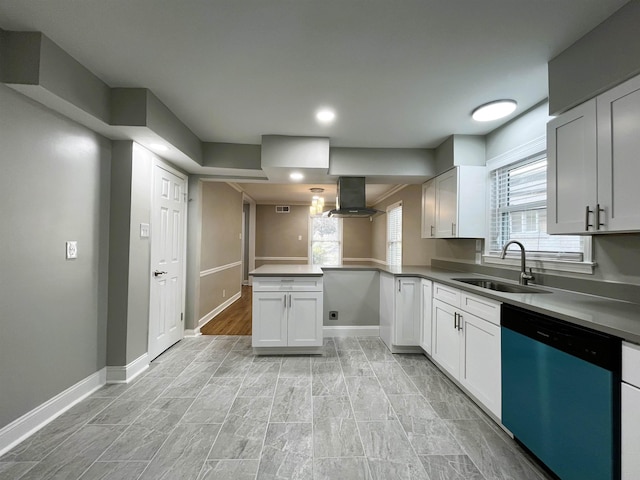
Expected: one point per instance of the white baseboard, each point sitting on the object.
(192, 333)
(32, 421)
(216, 311)
(128, 372)
(351, 331)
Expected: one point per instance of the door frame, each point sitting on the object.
(159, 163)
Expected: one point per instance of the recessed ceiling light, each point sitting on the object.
(325, 115)
(493, 110)
(296, 176)
(160, 147)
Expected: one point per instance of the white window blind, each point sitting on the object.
(326, 240)
(394, 234)
(519, 212)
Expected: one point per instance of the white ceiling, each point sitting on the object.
(400, 73)
(269, 193)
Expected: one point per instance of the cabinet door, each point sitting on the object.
(426, 298)
(572, 170)
(269, 319)
(387, 308)
(630, 445)
(407, 315)
(445, 338)
(429, 209)
(305, 319)
(618, 165)
(480, 361)
(447, 204)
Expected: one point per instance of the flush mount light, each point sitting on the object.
(296, 176)
(325, 115)
(160, 147)
(493, 110)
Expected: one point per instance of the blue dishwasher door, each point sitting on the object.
(559, 406)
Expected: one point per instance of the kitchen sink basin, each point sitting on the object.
(499, 286)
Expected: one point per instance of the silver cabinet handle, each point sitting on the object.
(586, 218)
(289, 300)
(453, 229)
(157, 273)
(284, 297)
(399, 285)
(460, 321)
(432, 230)
(455, 320)
(598, 223)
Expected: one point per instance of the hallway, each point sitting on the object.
(234, 320)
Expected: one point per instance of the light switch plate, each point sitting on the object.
(72, 250)
(144, 230)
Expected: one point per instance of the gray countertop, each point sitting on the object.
(614, 317)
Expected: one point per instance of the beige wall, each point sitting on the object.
(277, 233)
(220, 245)
(356, 238)
(415, 249)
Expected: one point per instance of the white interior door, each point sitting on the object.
(167, 260)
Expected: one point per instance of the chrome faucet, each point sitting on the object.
(524, 276)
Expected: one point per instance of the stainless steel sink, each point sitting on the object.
(499, 286)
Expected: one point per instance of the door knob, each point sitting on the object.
(157, 273)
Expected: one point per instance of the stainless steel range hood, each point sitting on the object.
(351, 200)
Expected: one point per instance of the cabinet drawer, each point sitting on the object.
(631, 363)
(287, 284)
(482, 307)
(446, 294)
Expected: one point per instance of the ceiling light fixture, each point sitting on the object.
(325, 115)
(317, 202)
(494, 110)
(296, 176)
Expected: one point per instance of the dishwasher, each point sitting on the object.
(561, 393)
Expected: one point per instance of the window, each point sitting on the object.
(519, 212)
(394, 234)
(325, 240)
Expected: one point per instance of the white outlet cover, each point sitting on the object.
(144, 230)
(72, 249)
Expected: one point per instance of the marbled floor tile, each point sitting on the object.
(450, 467)
(292, 401)
(229, 470)
(329, 383)
(336, 437)
(387, 368)
(287, 452)
(436, 388)
(368, 399)
(416, 365)
(147, 389)
(190, 382)
(212, 354)
(175, 364)
(386, 469)
(14, 470)
(295, 367)
(261, 380)
(41, 443)
(377, 353)
(77, 454)
(355, 368)
(113, 390)
(332, 407)
(120, 412)
(491, 454)
(267, 358)
(352, 355)
(346, 343)
(386, 440)
(243, 343)
(233, 367)
(397, 384)
(432, 437)
(325, 367)
(410, 408)
(214, 401)
(354, 468)
(183, 454)
(143, 439)
(456, 407)
(243, 431)
(114, 471)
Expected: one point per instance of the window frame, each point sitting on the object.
(530, 151)
(311, 241)
(389, 209)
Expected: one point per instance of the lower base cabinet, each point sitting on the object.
(630, 412)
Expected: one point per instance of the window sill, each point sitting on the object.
(543, 265)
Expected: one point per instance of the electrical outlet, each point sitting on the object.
(333, 315)
(72, 250)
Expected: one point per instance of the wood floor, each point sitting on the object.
(235, 320)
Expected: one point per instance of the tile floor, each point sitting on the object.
(209, 409)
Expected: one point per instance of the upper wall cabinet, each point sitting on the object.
(593, 166)
(453, 204)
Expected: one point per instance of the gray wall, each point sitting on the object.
(355, 295)
(54, 187)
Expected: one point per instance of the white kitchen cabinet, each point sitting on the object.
(400, 314)
(459, 203)
(287, 312)
(630, 412)
(429, 209)
(426, 301)
(466, 342)
(592, 164)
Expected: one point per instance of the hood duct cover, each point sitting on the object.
(351, 201)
